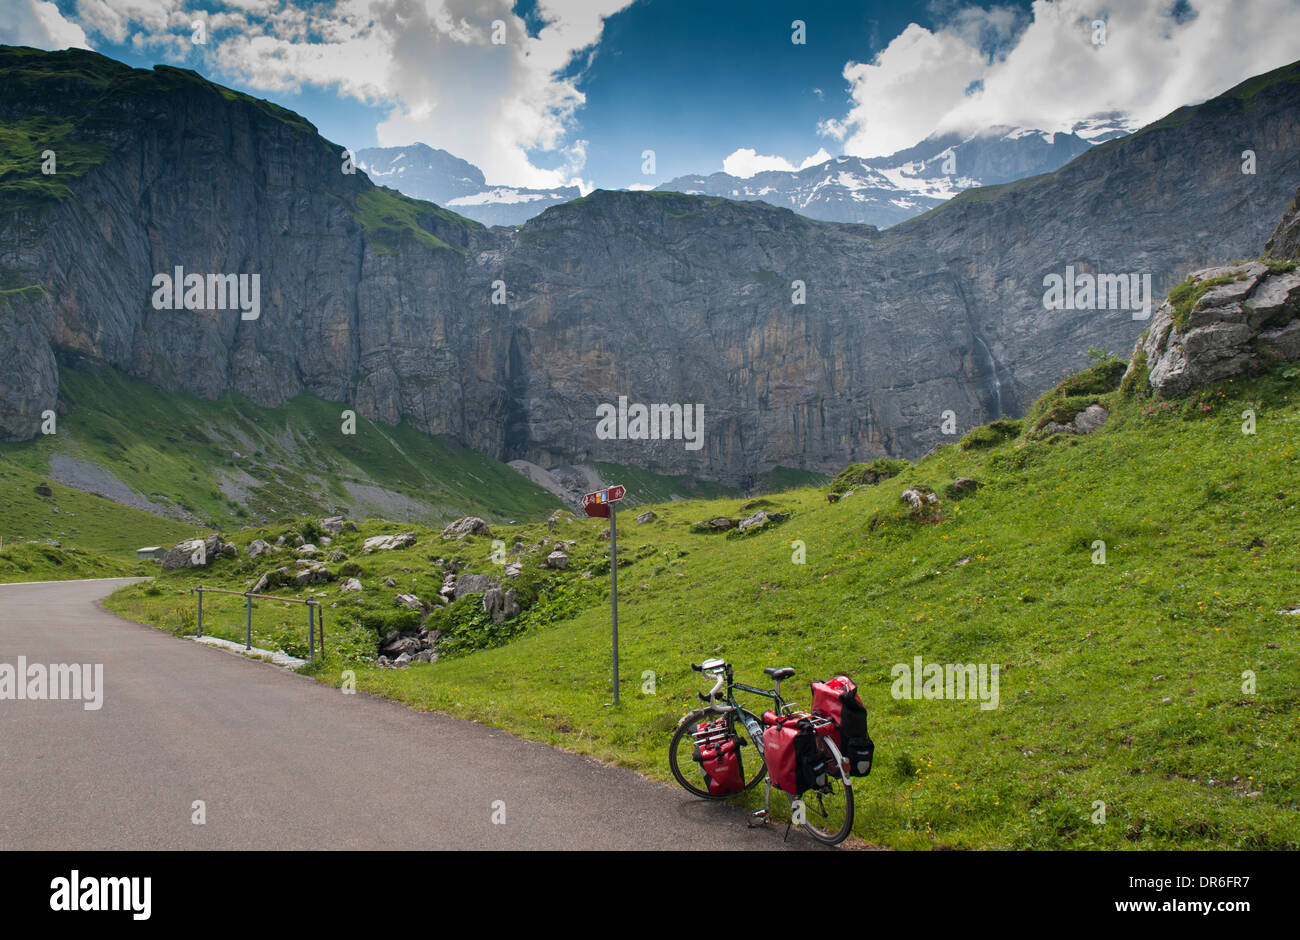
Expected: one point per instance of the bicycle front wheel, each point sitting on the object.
(688, 772)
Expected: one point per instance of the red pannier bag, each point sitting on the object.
(717, 750)
(794, 761)
(837, 699)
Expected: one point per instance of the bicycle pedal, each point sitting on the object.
(756, 819)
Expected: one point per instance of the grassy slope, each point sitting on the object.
(173, 448)
(1120, 682)
(97, 537)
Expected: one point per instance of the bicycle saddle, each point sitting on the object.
(784, 672)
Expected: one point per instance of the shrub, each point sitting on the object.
(867, 474)
(991, 434)
(1137, 384)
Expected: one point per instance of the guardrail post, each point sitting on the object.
(248, 629)
(311, 631)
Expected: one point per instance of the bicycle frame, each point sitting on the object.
(725, 685)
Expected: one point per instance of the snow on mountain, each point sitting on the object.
(884, 191)
(440, 177)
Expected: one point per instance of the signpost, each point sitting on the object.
(600, 504)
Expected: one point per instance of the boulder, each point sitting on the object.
(963, 486)
(192, 553)
(721, 523)
(472, 584)
(467, 525)
(389, 582)
(647, 516)
(333, 525)
(387, 543)
(1231, 328)
(410, 602)
(401, 646)
(756, 521)
(513, 570)
(306, 550)
(317, 574)
(917, 498)
(271, 579)
(259, 547)
(1085, 422)
(351, 584)
(556, 560)
(500, 605)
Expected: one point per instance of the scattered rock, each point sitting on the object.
(647, 516)
(499, 605)
(333, 525)
(318, 574)
(411, 602)
(351, 584)
(389, 582)
(467, 525)
(387, 543)
(43, 489)
(962, 486)
(756, 521)
(307, 550)
(721, 523)
(917, 498)
(514, 569)
(472, 584)
(259, 547)
(556, 561)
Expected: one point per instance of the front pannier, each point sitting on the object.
(717, 750)
(837, 699)
(794, 761)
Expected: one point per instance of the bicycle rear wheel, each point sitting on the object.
(828, 810)
(688, 772)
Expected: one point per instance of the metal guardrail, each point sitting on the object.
(314, 608)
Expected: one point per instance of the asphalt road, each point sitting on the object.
(284, 762)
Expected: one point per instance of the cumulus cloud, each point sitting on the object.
(38, 23)
(980, 67)
(507, 107)
(745, 162)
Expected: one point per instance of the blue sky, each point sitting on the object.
(579, 89)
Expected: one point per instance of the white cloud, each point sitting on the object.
(1049, 74)
(38, 23)
(746, 162)
(432, 62)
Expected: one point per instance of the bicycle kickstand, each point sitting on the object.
(761, 814)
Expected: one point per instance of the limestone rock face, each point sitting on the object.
(695, 296)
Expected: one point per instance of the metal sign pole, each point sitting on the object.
(613, 587)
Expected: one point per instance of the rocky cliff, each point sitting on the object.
(387, 304)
